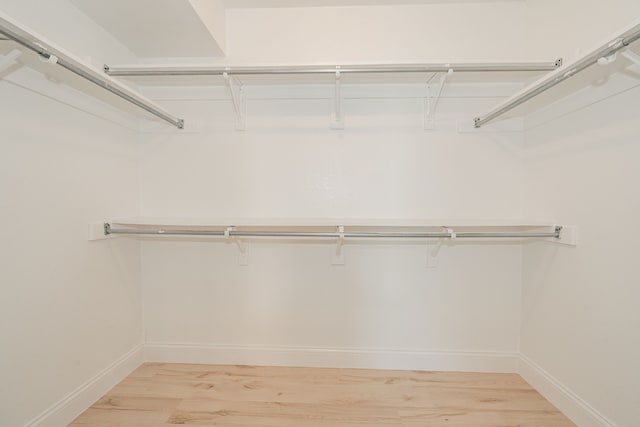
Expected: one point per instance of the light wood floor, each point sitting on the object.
(169, 394)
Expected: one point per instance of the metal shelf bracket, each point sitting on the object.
(239, 100)
(9, 60)
(337, 118)
(243, 257)
(431, 102)
(338, 255)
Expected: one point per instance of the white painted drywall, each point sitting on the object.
(78, 302)
(67, 26)
(213, 15)
(289, 164)
(156, 28)
(569, 28)
(454, 32)
(70, 308)
(580, 316)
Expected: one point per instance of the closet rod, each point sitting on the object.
(199, 70)
(20, 34)
(605, 51)
(334, 235)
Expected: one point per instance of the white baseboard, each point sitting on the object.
(68, 408)
(332, 357)
(569, 403)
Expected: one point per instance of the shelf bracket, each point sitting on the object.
(431, 102)
(433, 250)
(243, 258)
(338, 255)
(99, 231)
(452, 234)
(631, 56)
(337, 117)
(9, 60)
(239, 100)
(567, 235)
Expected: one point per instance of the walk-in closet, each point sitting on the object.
(319, 213)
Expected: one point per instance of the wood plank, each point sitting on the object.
(163, 395)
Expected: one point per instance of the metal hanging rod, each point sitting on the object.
(200, 70)
(606, 51)
(229, 232)
(55, 55)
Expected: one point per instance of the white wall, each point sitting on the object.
(580, 309)
(568, 28)
(580, 317)
(454, 32)
(289, 164)
(60, 21)
(74, 307)
(69, 308)
(580, 314)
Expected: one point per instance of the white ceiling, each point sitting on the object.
(233, 4)
(185, 28)
(154, 28)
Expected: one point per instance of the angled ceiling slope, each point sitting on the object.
(161, 28)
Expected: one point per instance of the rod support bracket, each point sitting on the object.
(337, 117)
(608, 59)
(9, 60)
(452, 234)
(431, 102)
(100, 231)
(433, 250)
(337, 257)
(238, 99)
(631, 56)
(243, 256)
(565, 235)
(48, 57)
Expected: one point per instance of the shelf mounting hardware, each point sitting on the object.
(338, 255)
(243, 258)
(239, 100)
(631, 56)
(8, 60)
(433, 250)
(431, 102)
(337, 118)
